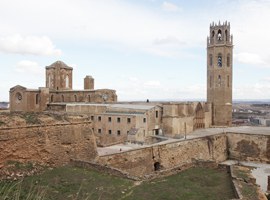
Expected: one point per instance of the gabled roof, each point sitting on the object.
(17, 87)
(59, 64)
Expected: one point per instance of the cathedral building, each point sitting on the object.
(58, 89)
(115, 122)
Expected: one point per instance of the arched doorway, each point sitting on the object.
(198, 121)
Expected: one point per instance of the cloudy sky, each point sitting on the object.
(145, 49)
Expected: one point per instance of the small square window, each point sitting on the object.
(144, 120)
(109, 119)
(99, 118)
(128, 120)
(110, 132)
(118, 119)
(118, 132)
(99, 130)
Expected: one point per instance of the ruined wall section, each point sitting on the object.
(143, 161)
(249, 147)
(48, 144)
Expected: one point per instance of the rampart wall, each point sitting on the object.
(145, 161)
(249, 147)
(53, 144)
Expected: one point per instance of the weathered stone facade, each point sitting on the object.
(175, 154)
(219, 73)
(50, 144)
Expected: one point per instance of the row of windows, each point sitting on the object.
(118, 132)
(99, 118)
(219, 81)
(219, 61)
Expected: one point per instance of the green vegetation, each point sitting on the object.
(2, 123)
(77, 183)
(31, 118)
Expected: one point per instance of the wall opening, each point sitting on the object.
(37, 98)
(228, 60)
(52, 98)
(199, 118)
(157, 166)
(219, 35)
(67, 81)
(219, 80)
(219, 60)
(63, 98)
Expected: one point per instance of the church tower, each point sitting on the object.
(219, 73)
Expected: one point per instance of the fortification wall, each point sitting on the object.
(53, 144)
(143, 161)
(249, 147)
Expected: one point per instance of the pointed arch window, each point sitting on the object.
(228, 60)
(219, 60)
(228, 81)
(63, 98)
(211, 59)
(219, 80)
(226, 35)
(75, 98)
(67, 81)
(219, 35)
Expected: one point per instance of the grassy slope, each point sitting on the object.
(76, 183)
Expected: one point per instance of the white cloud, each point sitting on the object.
(168, 40)
(152, 84)
(250, 58)
(28, 45)
(29, 67)
(254, 91)
(170, 7)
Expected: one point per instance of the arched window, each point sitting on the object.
(63, 98)
(210, 59)
(219, 60)
(213, 34)
(219, 80)
(210, 82)
(75, 98)
(228, 60)
(49, 81)
(226, 35)
(51, 98)
(37, 98)
(228, 81)
(219, 35)
(67, 81)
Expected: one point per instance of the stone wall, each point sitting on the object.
(145, 161)
(249, 147)
(53, 144)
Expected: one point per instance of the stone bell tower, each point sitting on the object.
(219, 73)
